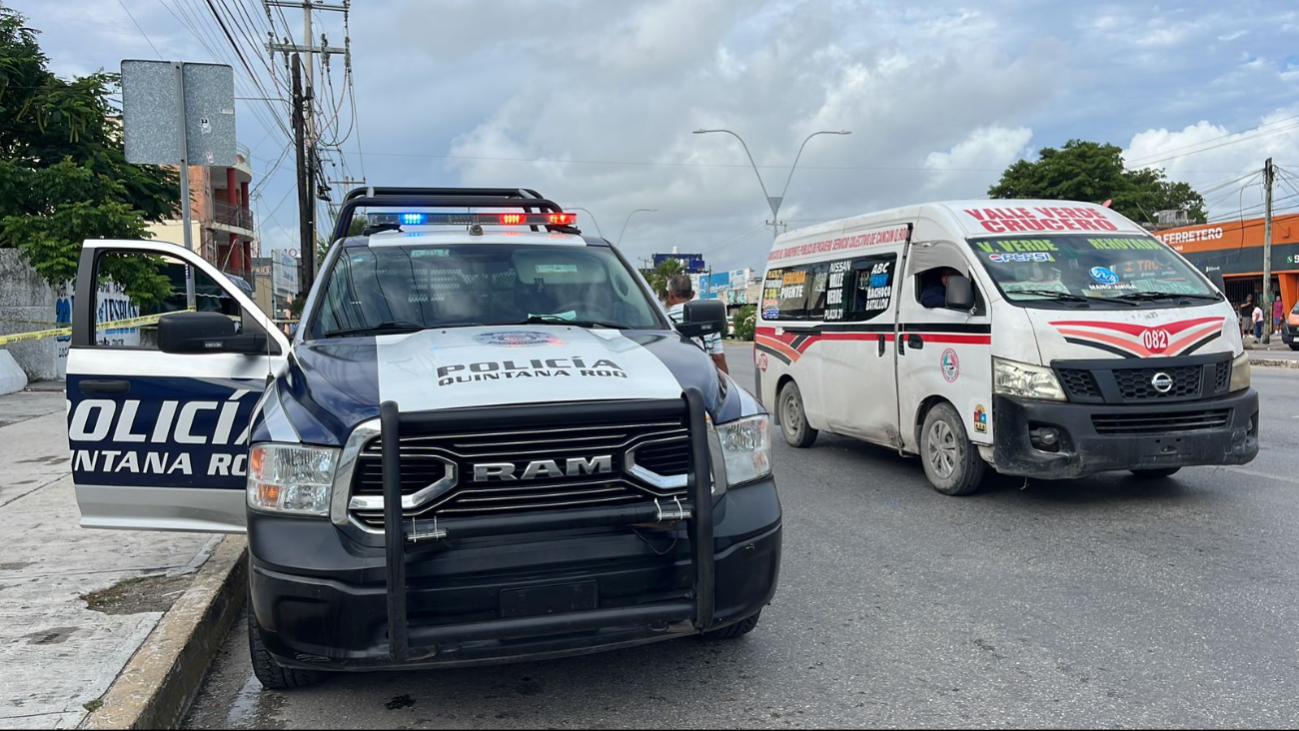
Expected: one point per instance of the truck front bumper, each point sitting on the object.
(1099, 438)
(320, 598)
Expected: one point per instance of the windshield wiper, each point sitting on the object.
(386, 327)
(557, 320)
(1151, 296)
(1053, 294)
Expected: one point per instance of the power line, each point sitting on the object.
(1215, 139)
(1245, 138)
(137, 27)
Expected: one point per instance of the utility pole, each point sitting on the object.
(306, 207)
(1268, 176)
(304, 118)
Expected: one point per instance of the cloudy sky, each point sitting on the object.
(592, 102)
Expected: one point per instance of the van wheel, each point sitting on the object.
(952, 464)
(793, 418)
(732, 631)
(1294, 346)
(272, 675)
(1156, 474)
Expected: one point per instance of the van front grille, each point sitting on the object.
(1164, 423)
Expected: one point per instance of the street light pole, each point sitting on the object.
(629, 215)
(773, 201)
(592, 215)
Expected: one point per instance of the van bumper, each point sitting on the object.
(320, 597)
(1083, 450)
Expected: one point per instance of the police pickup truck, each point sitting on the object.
(486, 441)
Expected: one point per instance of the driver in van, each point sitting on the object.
(935, 295)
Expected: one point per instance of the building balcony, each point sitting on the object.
(235, 219)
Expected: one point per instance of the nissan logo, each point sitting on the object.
(1162, 382)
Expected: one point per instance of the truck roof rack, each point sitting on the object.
(391, 197)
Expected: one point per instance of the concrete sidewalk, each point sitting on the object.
(58, 655)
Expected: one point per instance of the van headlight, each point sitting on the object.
(746, 447)
(1012, 378)
(1240, 375)
(291, 479)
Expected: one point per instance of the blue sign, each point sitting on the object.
(694, 263)
(1104, 276)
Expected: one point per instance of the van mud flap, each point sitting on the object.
(400, 536)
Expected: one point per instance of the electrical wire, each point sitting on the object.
(137, 27)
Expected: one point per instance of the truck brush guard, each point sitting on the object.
(403, 536)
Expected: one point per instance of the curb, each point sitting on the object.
(159, 683)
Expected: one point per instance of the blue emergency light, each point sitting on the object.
(469, 219)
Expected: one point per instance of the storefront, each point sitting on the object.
(1234, 249)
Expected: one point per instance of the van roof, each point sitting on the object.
(963, 219)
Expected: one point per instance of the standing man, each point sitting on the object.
(1258, 323)
(1246, 311)
(680, 292)
(1278, 312)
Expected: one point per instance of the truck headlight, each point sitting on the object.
(1012, 378)
(746, 447)
(1240, 375)
(292, 479)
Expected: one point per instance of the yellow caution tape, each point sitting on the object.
(59, 331)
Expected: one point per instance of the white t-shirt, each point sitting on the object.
(1258, 313)
(712, 343)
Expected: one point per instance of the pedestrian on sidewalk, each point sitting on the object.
(1278, 312)
(1258, 323)
(1246, 309)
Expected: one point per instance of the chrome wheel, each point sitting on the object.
(942, 449)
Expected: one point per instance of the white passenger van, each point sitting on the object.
(1064, 341)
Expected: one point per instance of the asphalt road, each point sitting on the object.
(1101, 602)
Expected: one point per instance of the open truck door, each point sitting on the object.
(162, 387)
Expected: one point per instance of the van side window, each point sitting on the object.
(785, 293)
(870, 286)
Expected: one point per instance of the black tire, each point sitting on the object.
(1156, 474)
(952, 463)
(793, 417)
(272, 675)
(1294, 346)
(733, 631)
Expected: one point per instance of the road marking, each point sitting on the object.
(1264, 475)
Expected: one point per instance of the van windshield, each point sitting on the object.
(1083, 270)
(378, 289)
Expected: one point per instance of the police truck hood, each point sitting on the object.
(334, 384)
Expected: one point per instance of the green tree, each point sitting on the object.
(63, 172)
(1094, 172)
(746, 321)
(659, 276)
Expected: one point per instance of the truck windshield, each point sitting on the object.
(1083, 271)
(387, 289)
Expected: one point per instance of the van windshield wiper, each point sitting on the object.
(1053, 294)
(1152, 296)
(387, 327)
(557, 320)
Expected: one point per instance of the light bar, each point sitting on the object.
(469, 219)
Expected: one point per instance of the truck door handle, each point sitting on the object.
(881, 350)
(106, 385)
(915, 341)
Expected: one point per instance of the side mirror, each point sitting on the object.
(205, 332)
(960, 293)
(703, 317)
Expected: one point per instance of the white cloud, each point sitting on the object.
(1209, 155)
(986, 148)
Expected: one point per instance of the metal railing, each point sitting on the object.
(236, 216)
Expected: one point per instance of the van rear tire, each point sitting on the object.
(952, 463)
(793, 417)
